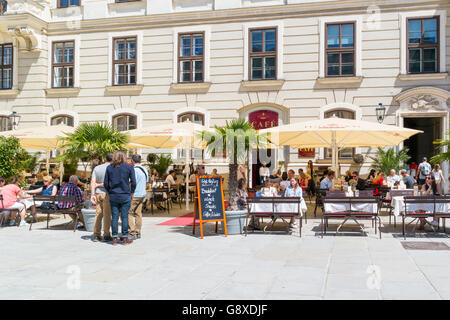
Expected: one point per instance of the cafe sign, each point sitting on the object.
(263, 119)
(307, 153)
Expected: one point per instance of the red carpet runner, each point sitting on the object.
(185, 220)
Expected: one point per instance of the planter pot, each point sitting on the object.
(89, 217)
(235, 221)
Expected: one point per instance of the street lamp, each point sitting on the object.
(15, 119)
(380, 111)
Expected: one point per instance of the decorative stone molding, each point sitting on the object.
(62, 92)
(262, 84)
(35, 7)
(124, 90)
(190, 87)
(423, 100)
(9, 93)
(423, 76)
(27, 38)
(339, 80)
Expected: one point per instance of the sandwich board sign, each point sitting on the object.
(210, 206)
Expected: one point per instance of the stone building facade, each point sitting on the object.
(148, 62)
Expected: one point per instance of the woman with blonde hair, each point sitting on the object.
(120, 183)
(379, 181)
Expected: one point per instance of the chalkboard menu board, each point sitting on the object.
(210, 205)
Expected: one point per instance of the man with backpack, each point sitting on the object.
(423, 171)
(135, 213)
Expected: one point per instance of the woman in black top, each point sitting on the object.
(120, 183)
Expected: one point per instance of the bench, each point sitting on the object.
(350, 213)
(54, 209)
(273, 202)
(424, 207)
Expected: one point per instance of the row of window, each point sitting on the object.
(423, 51)
(76, 3)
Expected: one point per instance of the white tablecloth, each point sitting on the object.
(279, 207)
(399, 206)
(338, 207)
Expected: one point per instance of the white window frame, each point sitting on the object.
(129, 111)
(139, 38)
(62, 113)
(442, 36)
(77, 41)
(279, 24)
(339, 106)
(358, 20)
(206, 50)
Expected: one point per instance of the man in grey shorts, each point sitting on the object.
(100, 197)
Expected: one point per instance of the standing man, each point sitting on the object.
(135, 213)
(101, 198)
(423, 171)
(407, 179)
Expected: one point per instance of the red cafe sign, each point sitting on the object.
(307, 153)
(263, 119)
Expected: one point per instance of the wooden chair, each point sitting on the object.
(155, 200)
(4, 215)
(320, 194)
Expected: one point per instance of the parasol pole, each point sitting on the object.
(187, 169)
(47, 162)
(334, 153)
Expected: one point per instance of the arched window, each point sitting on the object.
(124, 122)
(346, 153)
(194, 118)
(63, 119)
(5, 123)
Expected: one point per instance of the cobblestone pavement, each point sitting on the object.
(168, 262)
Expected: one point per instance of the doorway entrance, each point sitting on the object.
(421, 145)
(262, 119)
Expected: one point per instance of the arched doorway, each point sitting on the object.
(262, 119)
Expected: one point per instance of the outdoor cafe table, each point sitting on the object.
(279, 207)
(398, 204)
(338, 207)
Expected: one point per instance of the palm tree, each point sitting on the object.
(389, 159)
(160, 162)
(92, 141)
(441, 144)
(232, 141)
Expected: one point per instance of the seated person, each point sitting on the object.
(407, 179)
(49, 189)
(55, 178)
(83, 181)
(392, 179)
(327, 182)
(71, 189)
(303, 181)
(239, 201)
(268, 190)
(10, 193)
(172, 183)
(348, 176)
(284, 180)
(274, 177)
(378, 181)
(360, 184)
(293, 190)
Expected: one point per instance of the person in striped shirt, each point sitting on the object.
(71, 190)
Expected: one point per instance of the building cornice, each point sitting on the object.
(240, 14)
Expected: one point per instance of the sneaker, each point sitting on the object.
(107, 239)
(79, 225)
(434, 223)
(138, 236)
(23, 224)
(12, 223)
(115, 242)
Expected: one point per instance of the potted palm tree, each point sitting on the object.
(91, 141)
(233, 141)
(389, 159)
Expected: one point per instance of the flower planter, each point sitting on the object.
(89, 218)
(235, 221)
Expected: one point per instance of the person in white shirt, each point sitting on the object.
(392, 179)
(264, 173)
(438, 177)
